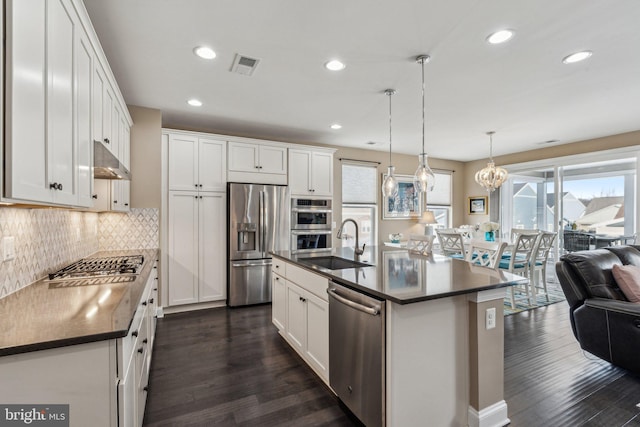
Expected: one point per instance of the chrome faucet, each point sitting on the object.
(357, 251)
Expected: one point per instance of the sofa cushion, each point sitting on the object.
(628, 278)
(627, 254)
(594, 269)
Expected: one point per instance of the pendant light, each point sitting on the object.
(423, 179)
(390, 183)
(492, 176)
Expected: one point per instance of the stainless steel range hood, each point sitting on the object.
(106, 165)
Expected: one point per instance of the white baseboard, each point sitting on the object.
(190, 307)
(491, 416)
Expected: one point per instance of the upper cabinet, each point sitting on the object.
(196, 163)
(54, 71)
(261, 163)
(311, 172)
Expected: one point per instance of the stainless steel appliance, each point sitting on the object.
(98, 271)
(357, 352)
(310, 241)
(258, 222)
(311, 214)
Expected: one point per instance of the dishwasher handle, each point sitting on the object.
(374, 311)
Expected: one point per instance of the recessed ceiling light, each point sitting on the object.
(204, 52)
(336, 126)
(194, 103)
(500, 36)
(577, 57)
(335, 65)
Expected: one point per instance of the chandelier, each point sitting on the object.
(390, 183)
(424, 178)
(492, 176)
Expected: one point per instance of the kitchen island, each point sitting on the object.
(443, 342)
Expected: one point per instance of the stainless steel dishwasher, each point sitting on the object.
(357, 352)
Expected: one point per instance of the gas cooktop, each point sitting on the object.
(98, 271)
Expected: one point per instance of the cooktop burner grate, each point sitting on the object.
(104, 266)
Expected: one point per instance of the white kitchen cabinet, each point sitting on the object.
(300, 311)
(260, 163)
(196, 163)
(50, 117)
(111, 195)
(197, 244)
(278, 305)
(311, 172)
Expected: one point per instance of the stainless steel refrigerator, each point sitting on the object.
(258, 222)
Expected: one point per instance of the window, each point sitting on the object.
(439, 200)
(359, 190)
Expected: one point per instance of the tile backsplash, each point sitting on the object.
(49, 239)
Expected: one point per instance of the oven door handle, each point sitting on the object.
(311, 210)
(333, 293)
(299, 232)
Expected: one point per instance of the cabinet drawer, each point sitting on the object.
(279, 267)
(311, 282)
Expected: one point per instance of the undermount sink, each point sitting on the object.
(332, 262)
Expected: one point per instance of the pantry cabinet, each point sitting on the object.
(197, 244)
(311, 172)
(196, 163)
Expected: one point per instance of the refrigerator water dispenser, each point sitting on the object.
(247, 236)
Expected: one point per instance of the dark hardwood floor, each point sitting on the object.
(229, 367)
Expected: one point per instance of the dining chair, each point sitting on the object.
(517, 262)
(420, 244)
(516, 231)
(485, 254)
(451, 243)
(538, 263)
(466, 232)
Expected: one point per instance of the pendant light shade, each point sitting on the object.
(492, 176)
(390, 183)
(423, 179)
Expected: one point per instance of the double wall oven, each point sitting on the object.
(311, 221)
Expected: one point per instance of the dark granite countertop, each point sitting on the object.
(42, 316)
(404, 278)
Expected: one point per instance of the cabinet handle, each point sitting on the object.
(126, 204)
(151, 301)
(60, 187)
(134, 333)
(155, 289)
(257, 167)
(95, 196)
(144, 341)
(200, 185)
(277, 278)
(146, 388)
(106, 140)
(55, 186)
(144, 303)
(115, 202)
(140, 350)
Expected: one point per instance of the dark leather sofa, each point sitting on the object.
(604, 322)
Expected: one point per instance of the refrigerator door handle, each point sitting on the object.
(252, 264)
(262, 224)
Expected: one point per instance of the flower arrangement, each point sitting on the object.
(489, 226)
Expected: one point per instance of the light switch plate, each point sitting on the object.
(8, 248)
(490, 318)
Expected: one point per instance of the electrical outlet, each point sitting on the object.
(8, 248)
(490, 318)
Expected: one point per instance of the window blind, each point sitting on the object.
(359, 183)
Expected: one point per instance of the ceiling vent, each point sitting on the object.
(550, 141)
(244, 65)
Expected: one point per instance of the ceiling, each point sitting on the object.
(520, 89)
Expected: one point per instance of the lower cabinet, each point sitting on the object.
(300, 311)
(103, 382)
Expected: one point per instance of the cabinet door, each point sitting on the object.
(127, 397)
(212, 270)
(243, 157)
(279, 301)
(123, 147)
(183, 168)
(126, 159)
(60, 122)
(84, 70)
(108, 104)
(99, 82)
(183, 247)
(299, 172)
(273, 160)
(322, 173)
(212, 170)
(296, 317)
(317, 349)
(115, 129)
